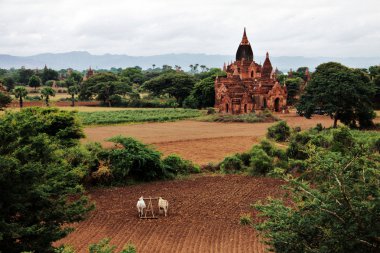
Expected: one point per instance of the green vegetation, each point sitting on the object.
(131, 116)
(40, 186)
(335, 200)
(20, 92)
(279, 132)
(103, 246)
(5, 100)
(342, 93)
(245, 219)
(46, 93)
(134, 161)
(264, 116)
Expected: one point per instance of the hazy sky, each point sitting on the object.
(149, 27)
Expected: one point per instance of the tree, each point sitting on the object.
(34, 81)
(87, 90)
(20, 92)
(134, 74)
(342, 93)
(202, 95)
(48, 74)
(9, 82)
(73, 90)
(338, 212)
(293, 87)
(175, 84)
(78, 77)
(106, 90)
(24, 75)
(46, 92)
(4, 100)
(39, 186)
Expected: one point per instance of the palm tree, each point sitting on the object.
(46, 92)
(73, 90)
(20, 92)
(203, 67)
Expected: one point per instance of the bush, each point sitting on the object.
(245, 158)
(377, 145)
(279, 132)
(174, 165)
(102, 176)
(4, 100)
(104, 247)
(33, 98)
(245, 219)
(134, 160)
(343, 140)
(231, 164)
(261, 163)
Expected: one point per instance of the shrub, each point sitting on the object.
(4, 100)
(245, 158)
(279, 131)
(104, 247)
(261, 163)
(212, 167)
(296, 151)
(211, 110)
(377, 145)
(245, 219)
(231, 164)
(174, 165)
(134, 160)
(102, 176)
(342, 140)
(319, 127)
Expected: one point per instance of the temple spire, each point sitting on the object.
(267, 55)
(244, 40)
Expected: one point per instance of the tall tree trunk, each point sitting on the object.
(72, 100)
(21, 102)
(335, 121)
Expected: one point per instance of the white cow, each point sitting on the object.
(140, 206)
(163, 204)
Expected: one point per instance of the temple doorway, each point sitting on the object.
(245, 108)
(227, 108)
(277, 104)
(265, 103)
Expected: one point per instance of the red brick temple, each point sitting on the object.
(248, 85)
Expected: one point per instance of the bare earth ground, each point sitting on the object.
(203, 215)
(201, 142)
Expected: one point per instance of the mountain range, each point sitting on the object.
(81, 60)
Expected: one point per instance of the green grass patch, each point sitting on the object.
(136, 116)
(264, 116)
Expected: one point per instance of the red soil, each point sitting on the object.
(203, 215)
(201, 142)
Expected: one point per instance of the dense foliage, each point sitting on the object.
(5, 100)
(342, 93)
(279, 131)
(40, 186)
(335, 203)
(131, 160)
(176, 84)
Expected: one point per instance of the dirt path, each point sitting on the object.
(203, 215)
(201, 142)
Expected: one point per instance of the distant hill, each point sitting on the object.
(82, 60)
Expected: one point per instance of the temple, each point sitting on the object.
(248, 85)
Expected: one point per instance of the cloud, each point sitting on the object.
(149, 27)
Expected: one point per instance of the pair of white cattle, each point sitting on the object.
(163, 204)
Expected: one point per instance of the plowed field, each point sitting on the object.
(201, 142)
(203, 215)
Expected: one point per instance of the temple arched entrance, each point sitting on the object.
(227, 108)
(265, 103)
(277, 104)
(245, 108)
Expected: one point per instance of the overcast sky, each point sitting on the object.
(336, 28)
